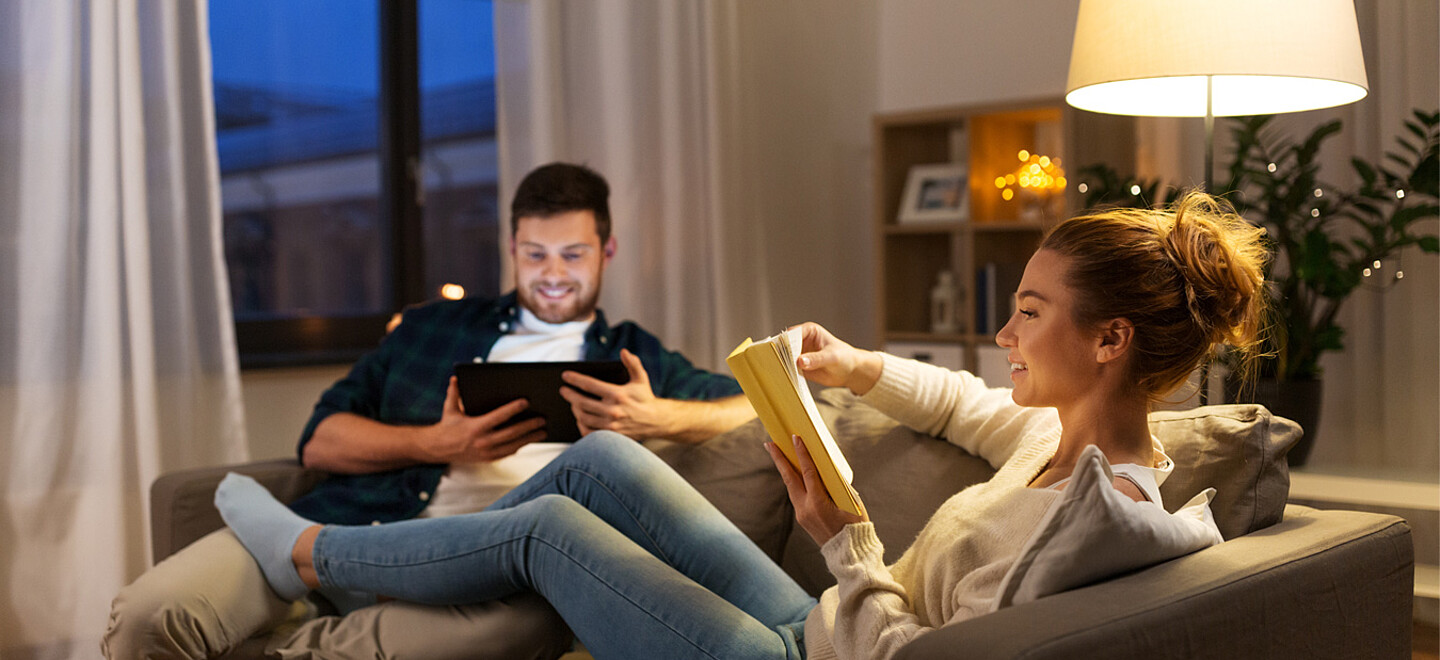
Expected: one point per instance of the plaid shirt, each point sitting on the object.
(403, 382)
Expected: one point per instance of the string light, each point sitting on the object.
(452, 291)
(1037, 174)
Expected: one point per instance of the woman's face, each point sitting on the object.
(1052, 359)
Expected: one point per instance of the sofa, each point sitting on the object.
(1289, 581)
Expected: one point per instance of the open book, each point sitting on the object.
(773, 384)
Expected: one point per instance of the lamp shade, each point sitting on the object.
(1157, 58)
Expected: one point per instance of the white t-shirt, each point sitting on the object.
(470, 487)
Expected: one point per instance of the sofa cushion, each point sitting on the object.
(1092, 532)
(1237, 449)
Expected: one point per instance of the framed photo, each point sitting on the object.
(936, 193)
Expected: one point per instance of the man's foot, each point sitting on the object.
(267, 528)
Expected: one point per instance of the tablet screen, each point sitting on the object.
(485, 386)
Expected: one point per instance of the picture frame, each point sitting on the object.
(936, 193)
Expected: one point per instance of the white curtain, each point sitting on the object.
(117, 354)
(643, 92)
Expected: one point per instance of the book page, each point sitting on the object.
(789, 346)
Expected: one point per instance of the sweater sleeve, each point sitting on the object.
(873, 613)
(957, 406)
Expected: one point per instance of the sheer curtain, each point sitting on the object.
(117, 355)
(643, 92)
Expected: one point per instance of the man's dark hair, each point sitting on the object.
(561, 188)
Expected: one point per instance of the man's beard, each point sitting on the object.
(578, 307)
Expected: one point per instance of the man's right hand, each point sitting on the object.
(460, 438)
(348, 443)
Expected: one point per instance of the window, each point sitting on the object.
(358, 165)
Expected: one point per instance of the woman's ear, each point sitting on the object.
(1116, 337)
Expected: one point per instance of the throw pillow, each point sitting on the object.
(1093, 532)
(1237, 449)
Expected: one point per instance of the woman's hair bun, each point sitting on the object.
(1221, 259)
(1186, 277)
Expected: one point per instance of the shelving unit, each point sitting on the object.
(987, 140)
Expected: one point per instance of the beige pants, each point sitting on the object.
(210, 598)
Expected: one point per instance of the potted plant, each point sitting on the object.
(1328, 241)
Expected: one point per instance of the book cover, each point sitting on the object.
(767, 373)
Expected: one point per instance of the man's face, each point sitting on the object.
(558, 265)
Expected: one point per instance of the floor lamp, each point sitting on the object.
(1214, 58)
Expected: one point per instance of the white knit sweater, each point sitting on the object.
(956, 564)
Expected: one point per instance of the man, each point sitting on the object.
(399, 444)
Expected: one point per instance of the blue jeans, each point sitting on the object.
(637, 562)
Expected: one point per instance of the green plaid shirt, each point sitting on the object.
(403, 382)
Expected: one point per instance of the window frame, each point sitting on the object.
(335, 339)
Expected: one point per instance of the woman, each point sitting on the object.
(1114, 311)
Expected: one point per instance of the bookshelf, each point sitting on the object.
(996, 237)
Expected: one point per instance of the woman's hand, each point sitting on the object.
(834, 363)
(814, 509)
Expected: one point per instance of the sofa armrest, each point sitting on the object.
(1318, 584)
(182, 504)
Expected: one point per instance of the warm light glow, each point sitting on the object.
(1134, 190)
(452, 291)
(1399, 194)
(1147, 58)
(393, 322)
(1041, 176)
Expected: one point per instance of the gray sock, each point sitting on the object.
(267, 528)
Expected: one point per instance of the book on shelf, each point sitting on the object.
(772, 382)
(995, 286)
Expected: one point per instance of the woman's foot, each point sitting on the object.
(268, 529)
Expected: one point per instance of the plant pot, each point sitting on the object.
(1295, 400)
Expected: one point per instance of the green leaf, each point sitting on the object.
(1430, 244)
(1366, 172)
(1405, 216)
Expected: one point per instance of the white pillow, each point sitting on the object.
(1093, 532)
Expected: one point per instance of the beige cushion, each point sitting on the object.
(1237, 449)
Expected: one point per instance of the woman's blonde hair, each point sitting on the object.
(1187, 277)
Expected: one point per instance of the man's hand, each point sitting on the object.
(459, 438)
(814, 509)
(631, 409)
(833, 363)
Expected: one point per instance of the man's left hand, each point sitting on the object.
(631, 409)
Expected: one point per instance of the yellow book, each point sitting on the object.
(766, 371)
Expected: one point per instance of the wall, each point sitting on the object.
(947, 52)
(278, 403)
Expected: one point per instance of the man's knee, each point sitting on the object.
(200, 602)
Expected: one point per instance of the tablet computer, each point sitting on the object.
(485, 386)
